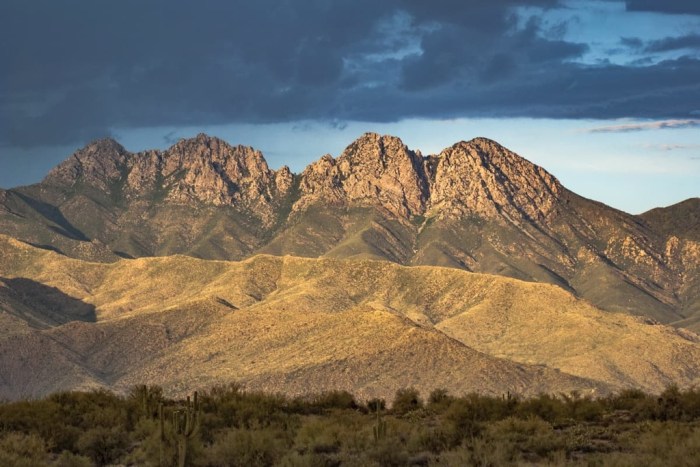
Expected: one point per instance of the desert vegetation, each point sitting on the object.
(227, 426)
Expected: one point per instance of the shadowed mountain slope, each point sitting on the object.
(475, 206)
(302, 324)
(679, 225)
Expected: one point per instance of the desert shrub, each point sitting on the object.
(102, 444)
(44, 418)
(661, 444)
(68, 459)
(228, 406)
(374, 404)
(544, 406)
(334, 400)
(431, 439)
(671, 404)
(582, 408)
(674, 404)
(246, 448)
(389, 454)
(143, 400)
(295, 459)
(222, 393)
(631, 404)
(487, 408)
(22, 450)
(530, 436)
(480, 452)
(627, 399)
(145, 436)
(460, 421)
(405, 401)
(253, 428)
(439, 399)
(349, 431)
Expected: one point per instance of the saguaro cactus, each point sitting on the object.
(150, 399)
(185, 424)
(380, 427)
(161, 436)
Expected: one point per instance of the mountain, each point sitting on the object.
(679, 226)
(475, 206)
(300, 325)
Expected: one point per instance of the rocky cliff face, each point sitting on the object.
(476, 205)
(482, 177)
(476, 177)
(99, 164)
(202, 169)
(375, 170)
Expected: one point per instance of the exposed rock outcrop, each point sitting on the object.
(202, 169)
(99, 164)
(484, 178)
(375, 170)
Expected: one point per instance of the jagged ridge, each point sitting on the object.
(476, 206)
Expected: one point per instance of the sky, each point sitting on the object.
(603, 94)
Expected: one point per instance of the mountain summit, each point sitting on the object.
(199, 170)
(476, 206)
(375, 171)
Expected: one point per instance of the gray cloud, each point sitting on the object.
(632, 42)
(642, 126)
(690, 41)
(72, 70)
(671, 147)
(691, 7)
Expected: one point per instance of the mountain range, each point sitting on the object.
(475, 206)
(474, 267)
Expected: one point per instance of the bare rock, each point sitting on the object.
(482, 177)
(375, 170)
(98, 164)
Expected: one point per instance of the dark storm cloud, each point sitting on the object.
(74, 69)
(632, 42)
(690, 41)
(691, 7)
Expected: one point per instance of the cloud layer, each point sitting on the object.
(74, 69)
(642, 126)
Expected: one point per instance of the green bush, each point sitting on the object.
(246, 448)
(102, 444)
(439, 399)
(405, 401)
(335, 400)
(68, 459)
(22, 450)
(460, 421)
(253, 428)
(376, 404)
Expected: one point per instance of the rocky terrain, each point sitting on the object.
(472, 269)
(305, 325)
(475, 206)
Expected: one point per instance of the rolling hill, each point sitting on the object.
(300, 325)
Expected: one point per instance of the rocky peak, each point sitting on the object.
(471, 177)
(207, 151)
(374, 170)
(209, 170)
(98, 164)
(200, 169)
(212, 171)
(284, 179)
(482, 177)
